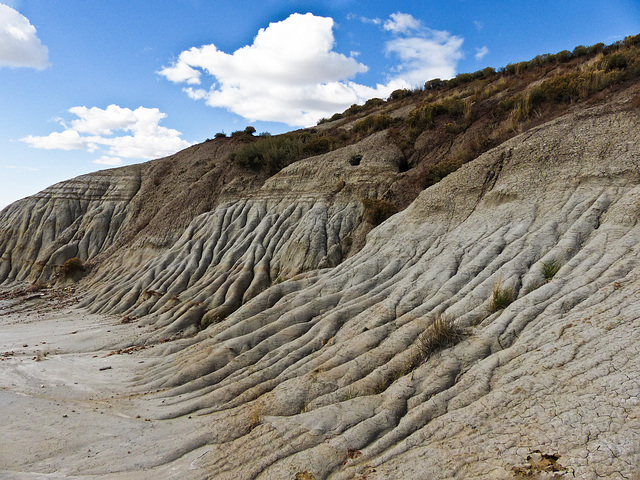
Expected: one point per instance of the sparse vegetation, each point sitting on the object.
(549, 269)
(502, 296)
(442, 333)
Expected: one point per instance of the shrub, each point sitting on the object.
(377, 211)
(502, 297)
(442, 333)
(221, 135)
(616, 61)
(317, 146)
(273, 153)
(549, 269)
(400, 93)
(72, 268)
(434, 84)
(353, 110)
(374, 102)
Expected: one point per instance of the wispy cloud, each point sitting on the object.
(19, 42)
(423, 53)
(115, 131)
(402, 23)
(481, 52)
(374, 21)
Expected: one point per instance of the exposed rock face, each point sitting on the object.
(312, 363)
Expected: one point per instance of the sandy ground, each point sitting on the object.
(69, 407)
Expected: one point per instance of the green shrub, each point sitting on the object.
(439, 171)
(221, 135)
(616, 61)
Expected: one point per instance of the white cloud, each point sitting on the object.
(481, 52)
(291, 73)
(106, 130)
(424, 55)
(19, 43)
(402, 23)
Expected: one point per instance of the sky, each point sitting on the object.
(87, 85)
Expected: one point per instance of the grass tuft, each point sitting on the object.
(502, 297)
(549, 269)
(442, 333)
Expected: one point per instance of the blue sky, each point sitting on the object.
(86, 85)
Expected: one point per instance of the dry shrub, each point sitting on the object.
(306, 475)
(72, 268)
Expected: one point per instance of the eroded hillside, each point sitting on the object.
(490, 329)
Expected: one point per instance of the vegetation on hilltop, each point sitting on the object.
(453, 121)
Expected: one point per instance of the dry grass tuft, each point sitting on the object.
(502, 296)
(442, 333)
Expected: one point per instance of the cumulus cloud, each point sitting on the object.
(19, 43)
(481, 52)
(292, 74)
(115, 131)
